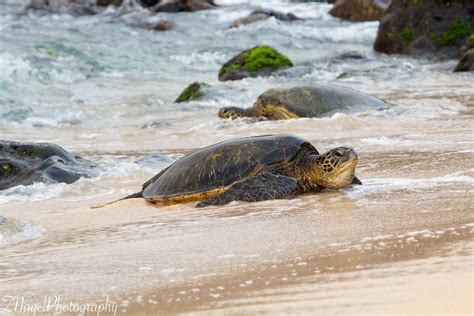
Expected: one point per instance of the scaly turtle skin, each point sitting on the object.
(251, 169)
(305, 101)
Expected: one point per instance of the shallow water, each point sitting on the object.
(104, 87)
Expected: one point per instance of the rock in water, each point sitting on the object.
(421, 27)
(263, 14)
(258, 61)
(27, 163)
(72, 7)
(184, 5)
(149, 3)
(197, 5)
(251, 18)
(161, 26)
(192, 92)
(358, 10)
(467, 62)
(116, 3)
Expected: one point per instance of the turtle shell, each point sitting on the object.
(218, 166)
(318, 100)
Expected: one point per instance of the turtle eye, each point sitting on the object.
(337, 154)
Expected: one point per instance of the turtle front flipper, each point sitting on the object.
(278, 112)
(264, 186)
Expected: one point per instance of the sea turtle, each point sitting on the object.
(251, 169)
(304, 101)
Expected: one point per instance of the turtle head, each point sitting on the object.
(231, 112)
(336, 168)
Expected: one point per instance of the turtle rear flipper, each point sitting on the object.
(264, 186)
(131, 196)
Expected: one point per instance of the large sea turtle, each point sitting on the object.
(251, 169)
(304, 101)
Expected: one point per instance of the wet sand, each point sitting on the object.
(441, 285)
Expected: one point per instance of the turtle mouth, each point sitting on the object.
(351, 164)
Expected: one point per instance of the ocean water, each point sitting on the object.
(103, 86)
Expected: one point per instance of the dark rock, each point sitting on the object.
(149, 3)
(467, 62)
(258, 61)
(62, 6)
(342, 76)
(161, 26)
(194, 91)
(422, 27)
(38, 4)
(197, 5)
(27, 163)
(263, 14)
(170, 7)
(184, 5)
(357, 10)
(469, 45)
(72, 7)
(349, 55)
(420, 46)
(116, 3)
(287, 17)
(251, 18)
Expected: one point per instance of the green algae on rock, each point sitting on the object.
(408, 33)
(258, 61)
(458, 30)
(192, 92)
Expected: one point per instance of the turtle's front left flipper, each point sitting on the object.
(264, 186)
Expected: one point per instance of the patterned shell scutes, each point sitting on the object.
(317, 100)
(222, 164)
